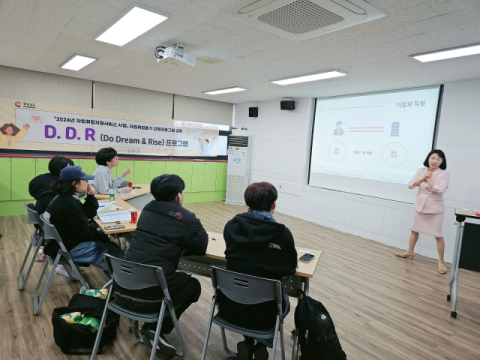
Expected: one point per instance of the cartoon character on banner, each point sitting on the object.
(206, 146)
(10, 135)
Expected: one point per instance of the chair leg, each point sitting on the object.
(179, 333)
(69, 274)
(134, 328)
(295, 348)
(37, 288)
(109, 282)
(157, 332)
(37, 305)
(225, 346)
(23, 281)
(101, 326)
(78, 274)
(209, 327)
(282, 344)
(275, 338)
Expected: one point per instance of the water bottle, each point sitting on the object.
(112, 194)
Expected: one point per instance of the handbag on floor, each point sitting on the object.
(78, 339)
(316, 331)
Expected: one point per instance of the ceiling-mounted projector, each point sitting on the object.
(175, 56)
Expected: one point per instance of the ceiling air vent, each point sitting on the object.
(303, 19)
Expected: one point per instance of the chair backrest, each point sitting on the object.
(246, 289)
(51, 233)
(32, 215)
(134, 276)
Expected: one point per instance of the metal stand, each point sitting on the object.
(455, 265)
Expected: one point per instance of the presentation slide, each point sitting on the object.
(362, 142)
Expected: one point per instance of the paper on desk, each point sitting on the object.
(305, 251)
(114, 217)
(108, 208)
(103, 204)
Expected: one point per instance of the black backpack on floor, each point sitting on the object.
(316, 332)
(78, 339)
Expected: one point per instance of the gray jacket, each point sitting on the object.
(103, 181)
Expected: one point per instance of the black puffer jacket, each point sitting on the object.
(40, 189)
(260, 247)
(165, 231)
(72, 219)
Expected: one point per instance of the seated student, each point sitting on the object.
(83, 239)
(40, 188)
(107, 159)
(164, 232)
(259, 246)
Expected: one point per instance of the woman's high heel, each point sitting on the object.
(405, 255)
(442, 269)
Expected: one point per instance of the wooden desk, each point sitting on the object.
(215, 254)
(216, 250)
(144, 189)
(129, 227)
(466, 213)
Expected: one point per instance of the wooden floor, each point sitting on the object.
(383, 307)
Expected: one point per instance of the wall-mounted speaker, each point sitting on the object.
(253, 112)
(287, 105)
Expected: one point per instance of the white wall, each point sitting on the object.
(280, 155)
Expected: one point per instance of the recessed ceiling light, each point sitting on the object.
(311, 77)
(224, 91)
(136, 21)
(77, 62)
(448, 53)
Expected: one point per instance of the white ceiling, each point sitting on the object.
(41, 34)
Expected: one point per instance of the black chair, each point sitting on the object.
(133, 276)
(36, 240)
(249, 290)
(62, 258)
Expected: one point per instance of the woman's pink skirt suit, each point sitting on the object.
(429, 204)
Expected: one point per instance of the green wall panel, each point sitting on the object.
(77, 162)
(171, 167)
(23, 170)
(13, 207)
(5, 175)
(41, 166)
(122, 166)
(210, 176)
(198, 176)
(204, 181)
(87, 165)
(185, 172)
(157, 168)
(221, 184)
(141, 173)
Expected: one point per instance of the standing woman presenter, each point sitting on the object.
(432, 182)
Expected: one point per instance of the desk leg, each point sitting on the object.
(296, 347)
(456, 270)
(306, 286)
(454, 261)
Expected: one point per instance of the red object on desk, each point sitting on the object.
(133, 217)
(130, 184)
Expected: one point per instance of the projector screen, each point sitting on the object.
(372, 144)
